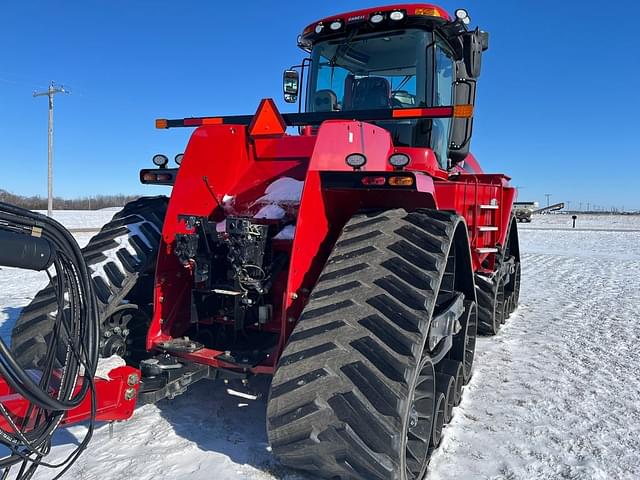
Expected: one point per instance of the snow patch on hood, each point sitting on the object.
(271, 212)
(283, 190)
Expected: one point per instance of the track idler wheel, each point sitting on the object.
(464, 343)
(512, 290)
(439, 413)
(491, 304)
(421, 421)
(501, 303)
(446, 384)
(453, 368)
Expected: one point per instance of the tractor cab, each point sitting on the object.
(401, 58)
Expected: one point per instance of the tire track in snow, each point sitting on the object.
(556, 393)
(554, 396)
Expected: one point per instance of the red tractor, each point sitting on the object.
(351, 250)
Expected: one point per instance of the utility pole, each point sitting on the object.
(547, 195)
(50, 92)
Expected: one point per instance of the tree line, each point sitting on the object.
(95, 202)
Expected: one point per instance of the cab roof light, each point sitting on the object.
(376, 18)
(396, 15)
(319, 28)
(305, 43)
(463, 16)
(336, 25)
(427, 12)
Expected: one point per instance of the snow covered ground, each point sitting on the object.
(585, 222)
(83, 218)
(556, 395)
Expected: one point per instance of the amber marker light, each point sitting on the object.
(400, 181)
(462, 111)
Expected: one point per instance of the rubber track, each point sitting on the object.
(338, 399)
(486, 293)
(486, 290)
(132, 237)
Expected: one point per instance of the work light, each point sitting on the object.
(463, 16)
(160, 160)
(399, 160)
(356, 160)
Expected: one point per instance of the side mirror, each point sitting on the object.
(290, 81)
(473, 44)
(461, 127)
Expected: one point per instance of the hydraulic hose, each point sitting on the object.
(32, 241)
(31, 253)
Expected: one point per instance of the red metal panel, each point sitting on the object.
(339, 138)
(323, 212)
(285, 147)
(116, 399)
(235, 164)
(222, 154)
(465, 194)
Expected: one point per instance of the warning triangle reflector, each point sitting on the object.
(267, 120)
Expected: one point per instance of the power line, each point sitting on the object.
(50, 92)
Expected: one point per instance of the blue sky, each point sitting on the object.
(557, 109)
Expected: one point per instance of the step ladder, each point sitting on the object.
(488, 227)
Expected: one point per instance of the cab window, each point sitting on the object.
(443, 96)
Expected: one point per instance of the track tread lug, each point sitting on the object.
(372, 302)
(120, 276)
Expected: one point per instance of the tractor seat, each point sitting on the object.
(371, 93)
(325, 101)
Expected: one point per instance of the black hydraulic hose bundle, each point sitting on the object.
(33, 241)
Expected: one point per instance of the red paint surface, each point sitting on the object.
(110, 397)
(235, 163)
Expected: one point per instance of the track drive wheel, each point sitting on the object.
(354, 395)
